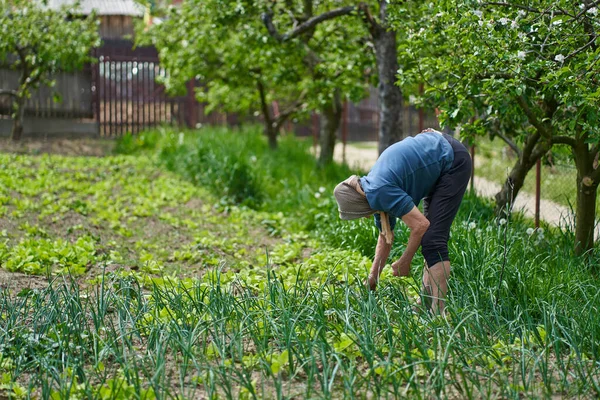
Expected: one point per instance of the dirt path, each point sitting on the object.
(363, 155)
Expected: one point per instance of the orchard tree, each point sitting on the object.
(527, 73)
(334, 50)
(292, 19)
(240, 68)
(38, 42)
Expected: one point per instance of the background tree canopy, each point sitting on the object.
(526, 73)
(39, 42)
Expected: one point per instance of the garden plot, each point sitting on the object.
(123, 280)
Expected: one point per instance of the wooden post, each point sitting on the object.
(96, 89)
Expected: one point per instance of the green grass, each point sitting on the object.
(213, 295)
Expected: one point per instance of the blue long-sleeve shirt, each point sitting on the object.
(405, 173)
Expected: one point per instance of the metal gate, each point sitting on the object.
(128, 95)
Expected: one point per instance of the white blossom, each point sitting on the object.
(540, 231)
(504, 21)
(412, 99)
(521, 55)
(593, 11)
(317, 195)
(480, 22)
(472, 225)
(184, 43)
(557, 22)
(502, 221)
(540, 238)
(479, 13)
(530, 231)
(559, 57)
(514, 24)
(322, 189)
(253, 159)
(522, 13)
(489, 228)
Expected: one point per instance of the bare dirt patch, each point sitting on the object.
(68, 147)
(15, 282)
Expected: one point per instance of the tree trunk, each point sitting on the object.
(271, 128)
(18, 117)
(271, 133)
(331, 115)
(532, 151)
(511, 187)
(585, 220)
(390, 95)
(587, 189)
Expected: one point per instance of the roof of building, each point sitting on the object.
(103, 7)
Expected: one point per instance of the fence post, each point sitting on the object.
(538, 179)
(96, 88)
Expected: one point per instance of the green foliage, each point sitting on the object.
(40, 256)
(38, 42)
(515, 68)
(240, 168)
(225, 45)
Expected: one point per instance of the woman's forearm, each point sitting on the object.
(382, 252)
(414, 241)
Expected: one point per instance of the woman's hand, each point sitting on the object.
(401, 267)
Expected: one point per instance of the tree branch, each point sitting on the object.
(512, 144)
(539, 151)
(588, 7)
(531, 117)
(579, 50)
(522, 7)
(263, 102)
(367, 17)
(309, 24)
(569, 141)
(530, 144)
(283, 116)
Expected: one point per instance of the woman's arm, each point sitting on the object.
(418, 225)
